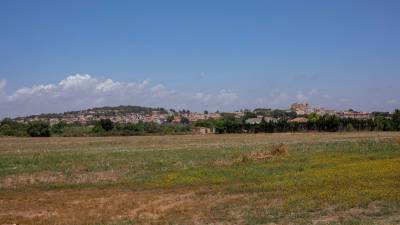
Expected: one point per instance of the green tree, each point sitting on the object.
(396, 118)
(184, 120)
(313, 117)
(106, 124)
(38, 129)
(349, 127)
(248, 115)
(58, 128)
(170, 119)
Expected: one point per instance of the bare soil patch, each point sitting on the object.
(75, 206)
(14, 181)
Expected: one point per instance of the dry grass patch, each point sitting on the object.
(46, 177)
(374, 208)
(91, 206)
(277, 150)
(282, 149)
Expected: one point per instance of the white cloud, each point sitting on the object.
(227, 96)
(222, 97)
(79, 92)
(76, 81)
(35, 91)
(216, 101)
(276, 98)
(3, 96)
(313, 92)
(202, 97)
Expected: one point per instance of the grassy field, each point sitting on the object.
(314, 178)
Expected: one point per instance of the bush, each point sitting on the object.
(77, 131)
(98, 129)
(106, 124)
(8, 127)
(38, 129)
(58, 128)
(349, 127)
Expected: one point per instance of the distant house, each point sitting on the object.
(298, 120)
(253, 121)
(299, 108)
(306, 109)
(270, 119)
(355, 115)
(202, 130)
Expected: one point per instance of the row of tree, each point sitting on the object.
(105, 127)
(228, 124)
(329, 123)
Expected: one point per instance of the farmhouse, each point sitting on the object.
(298, 120)
(253, 121)
(202, 130)
(355, 115)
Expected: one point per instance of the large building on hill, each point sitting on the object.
(355, 115)
(306, 109)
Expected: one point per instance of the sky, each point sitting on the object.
(57, 56)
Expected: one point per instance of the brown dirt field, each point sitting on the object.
(71, 206)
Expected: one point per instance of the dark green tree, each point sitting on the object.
(58, 128)
(38, 129)
(396, 119)
(170, 119)
(184, 120)
(106, 124)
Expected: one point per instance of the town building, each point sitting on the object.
(355, 115)
(298, 120)
(202, 130)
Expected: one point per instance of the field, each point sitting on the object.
(313, 178)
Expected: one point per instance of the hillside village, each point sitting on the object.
(298, 112)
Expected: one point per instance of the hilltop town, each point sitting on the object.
(298, 112)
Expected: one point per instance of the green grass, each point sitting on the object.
(312, 181)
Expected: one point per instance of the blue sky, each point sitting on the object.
(198, 54)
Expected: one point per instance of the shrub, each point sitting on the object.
(8, 127)
(281, 149)
(349, 127)
(38, 129)
(58, 128)
(106, 124)
(98, 129)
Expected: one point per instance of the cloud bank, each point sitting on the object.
(78, 91)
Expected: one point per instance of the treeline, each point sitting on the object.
(327, 123)
(228, 124)
(104, 111)
(105, 127)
